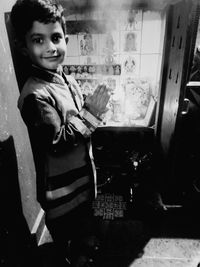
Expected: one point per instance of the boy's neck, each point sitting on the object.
(58, 70)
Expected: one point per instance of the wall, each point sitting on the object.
(123, 48)
(16, 160)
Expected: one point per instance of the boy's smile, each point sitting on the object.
(46, 45)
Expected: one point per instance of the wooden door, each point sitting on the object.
(181, 28)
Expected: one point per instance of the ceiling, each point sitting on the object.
(87, 5)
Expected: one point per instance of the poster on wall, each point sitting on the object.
(130, 65)
(88, 44)
(130, 42)
(131, 20)
(131, 105)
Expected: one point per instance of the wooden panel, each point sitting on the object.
(174, 76)
(178, 54)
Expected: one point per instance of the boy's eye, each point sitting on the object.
(56, 38)
(38, 40)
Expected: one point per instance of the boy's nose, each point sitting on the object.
(51, 47)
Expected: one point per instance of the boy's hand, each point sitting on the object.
(97, 102)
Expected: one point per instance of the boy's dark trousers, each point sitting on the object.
(70, 232)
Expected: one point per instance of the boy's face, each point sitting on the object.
(46, 45)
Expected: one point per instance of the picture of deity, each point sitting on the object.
(131, 21)
(137, 96)
(79, 72)
(72, 70)
(85, 73)
(129, 65)
(109, 44)
(87, 46)
(117, 70)
(130, 42)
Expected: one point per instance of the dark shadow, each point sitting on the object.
(17, 247)
(21, 64)
(125, 239)
(122, 241)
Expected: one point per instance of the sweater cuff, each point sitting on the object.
(91, 121)
(85, 122)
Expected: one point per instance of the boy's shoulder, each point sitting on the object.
(33, 86)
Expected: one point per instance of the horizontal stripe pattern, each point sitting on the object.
(50, 204)
(67, 178)
(74, 157)
(67, 207)
(66, 190)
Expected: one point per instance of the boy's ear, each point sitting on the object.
(66, 39)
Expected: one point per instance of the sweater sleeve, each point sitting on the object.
(46, 125)
(85, 122)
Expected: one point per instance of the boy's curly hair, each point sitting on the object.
(25, 12)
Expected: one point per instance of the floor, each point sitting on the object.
(159, 238)
(175, 243)
(144, 236)
(167, 252)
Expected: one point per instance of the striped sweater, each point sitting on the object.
(59, 127)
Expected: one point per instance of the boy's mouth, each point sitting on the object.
(52, 57)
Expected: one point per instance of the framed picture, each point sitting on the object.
(133, 105)
(130, 41)
(130, 65)
(88, 44)
(148, 116)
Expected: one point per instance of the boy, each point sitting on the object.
(59, 122)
